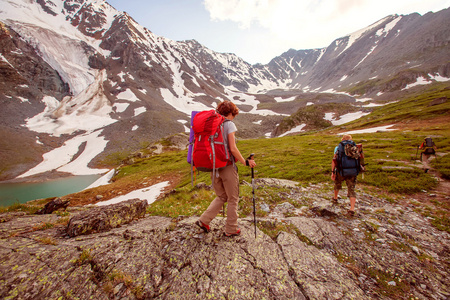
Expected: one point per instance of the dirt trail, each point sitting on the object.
(440, 194)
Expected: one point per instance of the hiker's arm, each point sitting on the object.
(235, 151)
(333, 167)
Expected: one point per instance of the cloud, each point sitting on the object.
(313, 23)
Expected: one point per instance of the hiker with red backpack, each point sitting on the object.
(345, 166)
(429, 148)
(224, 174)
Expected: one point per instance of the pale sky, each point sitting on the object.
(259, 30)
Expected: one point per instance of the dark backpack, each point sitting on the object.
(348, 159)
(207, 150)
(428, 145)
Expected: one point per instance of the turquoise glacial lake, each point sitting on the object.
(11, 193)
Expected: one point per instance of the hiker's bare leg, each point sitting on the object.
(337, 185)
(336, 192)
(351, 185)
(352, 203)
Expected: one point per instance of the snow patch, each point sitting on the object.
(438, 78)
(296, 129)
(373, 105)
(184, 122)
(89, 111)
(121, 74)
(182, 103)
(60, 43)
(363, 99)
(128, 95)
(104, 180)
(329, 117)
(149, 193)
(22, 99)
(370, 130)
(281, 99)
(120, 107)
(353, 37)
(245, 99)
(344, 118)
(139, 111)
(6, 61)
(350, 117)
(60, 159)
(420, 81)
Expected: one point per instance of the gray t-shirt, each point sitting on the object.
(228, 127)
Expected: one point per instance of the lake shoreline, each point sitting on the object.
(44, 177)
(42, 187)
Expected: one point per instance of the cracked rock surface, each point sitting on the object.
(384, 252)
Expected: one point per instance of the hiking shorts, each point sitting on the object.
(349, 180)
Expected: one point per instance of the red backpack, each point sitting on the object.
(209, 152)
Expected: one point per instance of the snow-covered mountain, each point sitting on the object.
(80, 79)
(396, 50)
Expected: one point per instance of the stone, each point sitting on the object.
(325, 208)
(274, 182)
(53, 205)
(284, 208)
(264, 207)
(104, 218)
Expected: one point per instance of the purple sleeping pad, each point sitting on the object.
(191, 138)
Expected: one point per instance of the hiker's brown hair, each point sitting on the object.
(226, 107)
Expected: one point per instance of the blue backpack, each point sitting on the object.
(348, 159)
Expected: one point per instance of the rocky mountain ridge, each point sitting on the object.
(97, 74)
(388, 251)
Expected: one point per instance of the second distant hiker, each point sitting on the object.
(345, 166)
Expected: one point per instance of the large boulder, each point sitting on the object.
(52, 206)
(106, 217)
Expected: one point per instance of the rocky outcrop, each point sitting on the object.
(105, 218)
(386, 251)
(52, 206)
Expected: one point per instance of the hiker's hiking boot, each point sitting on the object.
(334, 200)
(351, 213)
(203, 226)
(238, 232)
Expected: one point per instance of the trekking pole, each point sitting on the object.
(253, 192)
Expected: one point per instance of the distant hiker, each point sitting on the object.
(345, 166)
(226, 180)
(429, 148)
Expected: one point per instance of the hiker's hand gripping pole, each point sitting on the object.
(251, 164)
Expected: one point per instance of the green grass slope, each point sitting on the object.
(306, 158)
